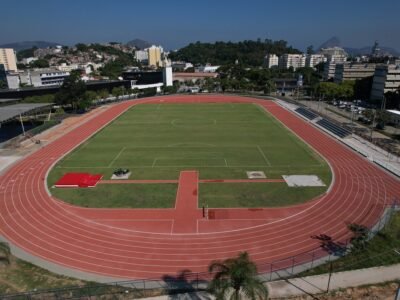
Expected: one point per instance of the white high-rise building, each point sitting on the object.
(292, 60)
(314, 59)
(271, 60)
(141, 55)
(8, 59)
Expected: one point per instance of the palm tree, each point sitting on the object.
(236, 277)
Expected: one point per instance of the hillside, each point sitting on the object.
(247, 52)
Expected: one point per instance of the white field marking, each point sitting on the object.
(116, 157)
(226, 163)
(196, 145)
(263, 155)
(154, 162)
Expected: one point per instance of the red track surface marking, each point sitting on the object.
(147, 243)
(240, 180)
(186, 208)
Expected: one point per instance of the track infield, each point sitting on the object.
(219, 140)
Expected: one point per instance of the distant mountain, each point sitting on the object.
(332, 42)
(139, 44)
(335, 42)
(18, 46)
(385, 51)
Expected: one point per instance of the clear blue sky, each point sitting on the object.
(175, 23)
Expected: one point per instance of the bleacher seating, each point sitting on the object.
(334, 128)
(306, 113)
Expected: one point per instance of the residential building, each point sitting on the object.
(330, 65)
(386, 79)
(154, 56)
(206, 69)
(353, 71)
(271, 60)
(28, 60)
(8, 59)
(67, 68)
(292, 60)
(141, 55)
(181, 66)
(314, 59)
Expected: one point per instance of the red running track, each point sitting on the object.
(131, 244)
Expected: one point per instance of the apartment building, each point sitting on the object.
(314, 59)
(386, 79)
(271, 60)
(154, 56)
(8, 59)
(292, 60)
(353, 71)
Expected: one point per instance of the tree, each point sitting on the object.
(118, 91)
(72, 90)
(103, 94)
(3, 84)
(235, 278)
(310, 49)
(360, 236)
(40, 63)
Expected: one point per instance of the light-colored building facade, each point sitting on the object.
(353, 71)
(314, 59)
(271, 60)
(43, 77)
(292, 60)
(206, 69)
(330, 65)
(154, 56)
(141, 55)
(8, 59)
(386, 79)
(12, 80)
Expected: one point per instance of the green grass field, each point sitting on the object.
(221, 141)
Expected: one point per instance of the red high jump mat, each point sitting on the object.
(70, 180)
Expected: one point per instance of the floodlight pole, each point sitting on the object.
(22, 124)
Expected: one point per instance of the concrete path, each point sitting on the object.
(318, 284)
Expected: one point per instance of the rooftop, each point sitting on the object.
(7, 113)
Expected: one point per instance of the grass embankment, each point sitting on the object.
(383, 249)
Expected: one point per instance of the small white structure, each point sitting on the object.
(303, 180)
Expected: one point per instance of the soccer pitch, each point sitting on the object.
(221, 141)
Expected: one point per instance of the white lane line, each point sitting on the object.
(116, 157)
(263, 155)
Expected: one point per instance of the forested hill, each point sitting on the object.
(247, 52)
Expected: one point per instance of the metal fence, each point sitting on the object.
(187, 281)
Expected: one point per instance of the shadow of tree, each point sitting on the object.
(330, 246)
(186, 285)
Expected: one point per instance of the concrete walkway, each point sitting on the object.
(318, 284)
(313, 285)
